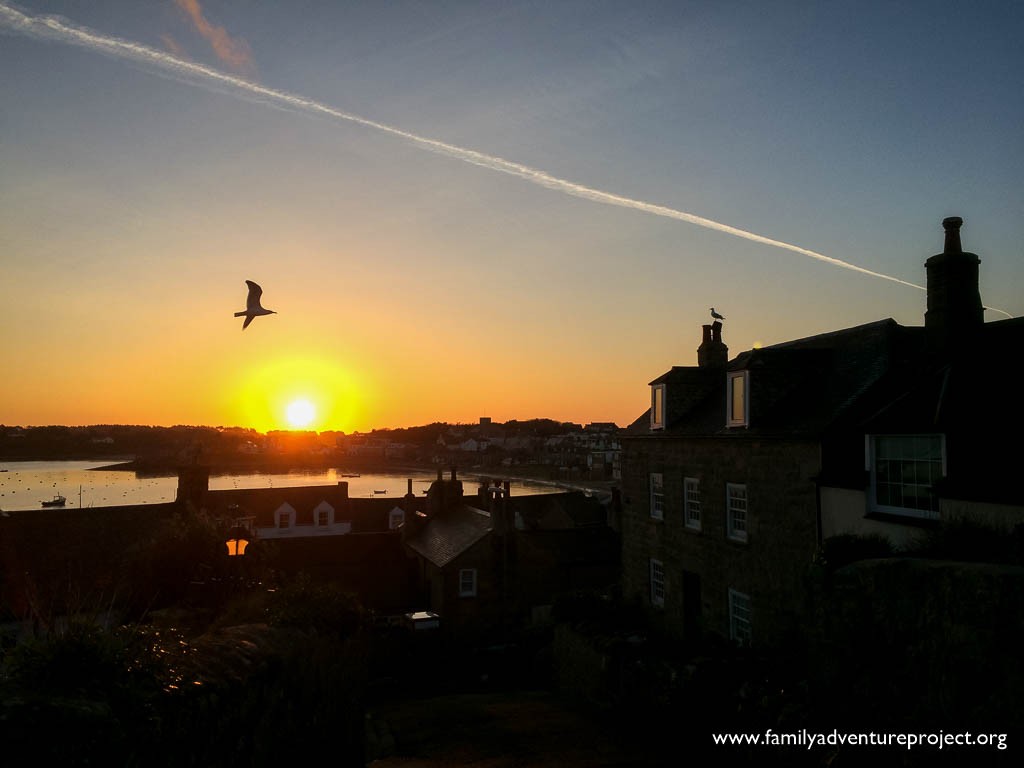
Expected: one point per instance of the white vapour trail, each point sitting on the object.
(52, 28)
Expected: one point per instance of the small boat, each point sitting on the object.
(350, 474)
(57, 501)
(384, 491)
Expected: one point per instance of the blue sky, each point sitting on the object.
(413, 286)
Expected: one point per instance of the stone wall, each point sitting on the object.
(770, 567)
(922, 641)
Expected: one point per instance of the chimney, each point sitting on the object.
(193, 484)
(444, 494)
(712, 352)
(343, 485)
(955, 312)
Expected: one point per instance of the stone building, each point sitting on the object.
(740, 468)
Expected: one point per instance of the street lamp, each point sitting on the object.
(238, 540)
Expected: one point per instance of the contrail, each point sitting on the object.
(53, 28)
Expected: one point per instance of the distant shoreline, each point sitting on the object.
(284, 465)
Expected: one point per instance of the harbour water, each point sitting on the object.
(26, 485)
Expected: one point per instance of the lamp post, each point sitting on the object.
(238, 540)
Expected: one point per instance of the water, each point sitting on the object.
(26, 484)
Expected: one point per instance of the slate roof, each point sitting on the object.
(451, 533)
(261, 503)
(797, 388)
(556, 511)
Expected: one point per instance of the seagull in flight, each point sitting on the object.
(253, 308)
(716, 315)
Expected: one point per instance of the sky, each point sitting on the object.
(463, 209)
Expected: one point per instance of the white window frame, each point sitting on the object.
(657, 406)
(691, 502)
(733, 419)
(323, 515)
(657, 480)
(284, 516)
(736, 514)
(657, 580)
(936, 470)
(740, 624)
(467, 582)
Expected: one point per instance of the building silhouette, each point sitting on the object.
(743, 467)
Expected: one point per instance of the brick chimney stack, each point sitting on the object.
(955, 312)
(712, 352)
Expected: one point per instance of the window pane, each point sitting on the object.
(736, 503)
(739, 617)
(737, 399)
(904, 471)
(657, 582)
(657, 496)
(692, 501)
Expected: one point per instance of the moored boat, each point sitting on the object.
(56, 501)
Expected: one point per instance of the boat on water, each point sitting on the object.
(56, 501)
(351, 474)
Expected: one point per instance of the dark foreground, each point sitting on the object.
(530, 729)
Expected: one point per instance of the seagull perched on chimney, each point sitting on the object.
(716, 315)
(253, 308)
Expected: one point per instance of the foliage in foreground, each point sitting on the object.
(139, 696)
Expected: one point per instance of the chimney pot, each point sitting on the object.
(712, 352)
(952, 226)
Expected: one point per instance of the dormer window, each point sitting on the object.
(737, 399)
(323, 514)
(285, 516)
(658, 406)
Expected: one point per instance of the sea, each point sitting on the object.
(25, 485)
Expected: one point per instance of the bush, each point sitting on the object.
(98, 690)
(970, 541)
(837, 551)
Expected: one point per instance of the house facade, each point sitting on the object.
(487, 563)
(741, 468)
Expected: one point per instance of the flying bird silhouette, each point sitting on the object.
(253, 308)
(716, 315)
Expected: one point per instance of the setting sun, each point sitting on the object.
(300, 413)
(300, 390)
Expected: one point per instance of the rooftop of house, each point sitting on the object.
(797, 388)
(450, 533)
(881, 374)
(262, 503)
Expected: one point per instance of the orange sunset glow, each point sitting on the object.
(299, 393)
(452, 226)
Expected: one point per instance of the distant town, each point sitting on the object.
(537, 448)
